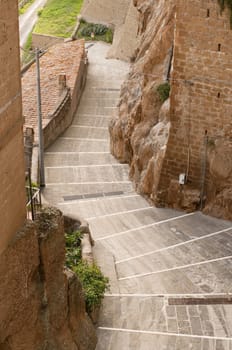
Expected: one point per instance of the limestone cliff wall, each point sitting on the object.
(41, 304)
(187, 43)
(122, 16)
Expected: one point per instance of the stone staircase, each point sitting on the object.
(164, 266)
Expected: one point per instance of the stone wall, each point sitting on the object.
(63, 70)
(122, 16)
(44, 41)
(12, 184)
(105, 11)
(190, 133)
(125, 36)
(41, 305)
(201, 106)
(63, 113)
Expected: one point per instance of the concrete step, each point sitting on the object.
(160, 236)
(88, 132)
(56, 193)
(198, 279)
(110, 84)
(204, 249)
(53, 159)
(91, 120)
(96, 110)
(94, 173)
(89, 208)
(101, 93)
(98, 101)
(159, 321)
(122, 223)
(79, 145)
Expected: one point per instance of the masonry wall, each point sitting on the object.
(125, 36)
(12, 184)
(105, 11)
(45, 41)
(201, 91)
(65, 110)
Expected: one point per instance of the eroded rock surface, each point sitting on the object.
(139, 133)
(162, 140)
(41, 305)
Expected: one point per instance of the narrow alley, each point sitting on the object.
(170, 272)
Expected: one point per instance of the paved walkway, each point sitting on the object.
(170, 272)
(29, 19)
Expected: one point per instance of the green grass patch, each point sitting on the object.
(100, 32)
(58, 17)
(93, 282)
(27, 56)
(25, 7)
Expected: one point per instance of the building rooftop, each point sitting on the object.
(62, 58)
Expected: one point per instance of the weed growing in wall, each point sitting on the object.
(163, 91)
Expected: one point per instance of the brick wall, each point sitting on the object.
(201, 90)
(12, 186)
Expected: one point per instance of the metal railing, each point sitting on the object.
(33, 202)
(33, 198)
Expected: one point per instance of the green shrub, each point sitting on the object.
(100, 31)
(39, 12)
(73, 239)
(73, 248)
(93, 282)
(109, 36)
(97, 29)
(163, 91)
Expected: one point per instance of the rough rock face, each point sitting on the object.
(160, 140)
(139, 133)
(219, 188)
(44, 307)
(122, 16)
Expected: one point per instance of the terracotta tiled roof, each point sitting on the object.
(62, 58)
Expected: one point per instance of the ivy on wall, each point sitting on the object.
(228, 4)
